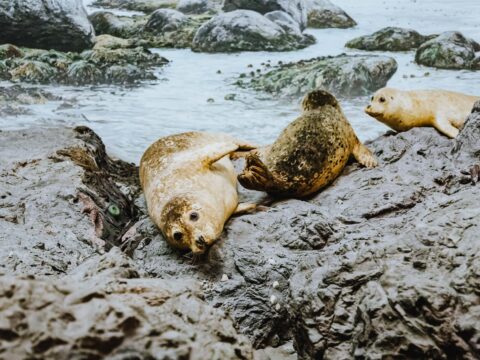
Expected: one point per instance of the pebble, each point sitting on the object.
(277, 307)
(273, 299)
(271, 261)
(224, 277)
(275, 284)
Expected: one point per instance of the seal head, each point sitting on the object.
(187, 223)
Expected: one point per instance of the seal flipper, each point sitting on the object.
(445, 127)
(363, 155)
(255, 175)
(216, 151)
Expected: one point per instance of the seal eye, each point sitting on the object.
(194, 216)
(372, 98)
(382, 99)
(178, 236)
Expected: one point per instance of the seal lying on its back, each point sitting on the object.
(309, 154)
(401, 110)
(190, 187)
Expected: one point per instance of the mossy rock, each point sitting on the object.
(33, 72)
(82, 72)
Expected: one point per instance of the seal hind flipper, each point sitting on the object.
(363, 155)
(255, 175)
(445, 127)
(216, 151)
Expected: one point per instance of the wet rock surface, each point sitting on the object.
(450, 50)
(146, 6)
(103, 308)
(15, 99)
(389, 39)
(383, 263)
(246, 30)
(50, 24)
(295, 8)
(196, 6)
(343, 75)
(89, 67)
(323, 14)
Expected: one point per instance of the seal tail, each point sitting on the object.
(255, 175)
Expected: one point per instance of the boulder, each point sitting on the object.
(147, 6)
(323, 14)
(285, 21)
(164, 20)
(389, 39)
(195, 6)
(450, 50)
(383, 263)
(343, 75)
(106, 23)
(295, 8)
(50, 24)
(245, 30)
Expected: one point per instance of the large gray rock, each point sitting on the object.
(285, 21)
(383, 263)
(295, 8)
(163, 20)
(343, 75)
(48, 24)
(450, 50)
(323, 14)
(103, 309)
(108, 23)
(245, 30)
(147, 6)
(389, 39)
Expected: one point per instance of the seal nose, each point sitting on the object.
(200, 242)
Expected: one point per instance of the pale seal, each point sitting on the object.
(190, 187)
(401, 110)
(309, 154)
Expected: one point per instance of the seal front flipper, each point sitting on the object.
(363, 155)
(255, 175)
(443, 125)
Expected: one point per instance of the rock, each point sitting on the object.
(285, 21)
(245, 30)
(51, 24)
(295, 8)
(105, 22)
(13, 98)
(8, 51)
(389, 39)
(163, 20)
(323, 14)
(343, 75)
(103, 309)
(101, 65)
(383, 263)
(112, 42)
(147, 6)
(450, 50)
(195, 6)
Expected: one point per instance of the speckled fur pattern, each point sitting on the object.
(190, 186)
(309, 154)
(401, 110)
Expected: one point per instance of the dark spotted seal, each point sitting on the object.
(310, 152)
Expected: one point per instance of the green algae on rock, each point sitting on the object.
(389, 39)
(450, 50)
(146, 6)
(98, 66)
(343, 75)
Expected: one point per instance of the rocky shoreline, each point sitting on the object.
(383, 262)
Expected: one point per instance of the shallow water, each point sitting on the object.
(129, 119)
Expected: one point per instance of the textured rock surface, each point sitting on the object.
(389, 39)
(90, 67)
(48, 24)
(323, 14)
(343, 75)
(105, 22)
(382, 264)
(195, 6)
(14, 98)
(147, 6)
(450, 50)
(165, 20)
(104, 309)
(246, 30)
(295, 8)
